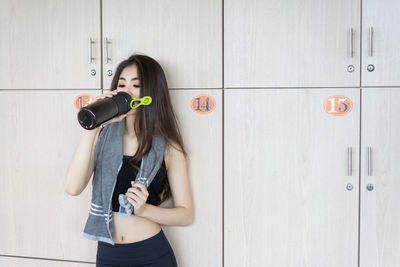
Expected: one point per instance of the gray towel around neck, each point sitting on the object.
(108, 158)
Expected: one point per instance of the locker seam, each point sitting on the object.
(223, 139)
(101, 46)
(359, 179)
(359, 140)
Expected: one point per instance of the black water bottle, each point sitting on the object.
(95, 114)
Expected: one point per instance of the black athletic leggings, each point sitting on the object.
(155, 251)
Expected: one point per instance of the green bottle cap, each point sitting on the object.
(146, 100)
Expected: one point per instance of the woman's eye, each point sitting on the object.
(135, 85)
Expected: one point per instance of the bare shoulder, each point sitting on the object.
(173, 154)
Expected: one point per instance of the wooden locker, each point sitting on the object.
(185, 37)
(45, 44)
(291, 43)
(286, 201)
(202, 134)
(39, 135)
(380, 155)
(380, 42)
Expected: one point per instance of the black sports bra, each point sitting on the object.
(127, 174)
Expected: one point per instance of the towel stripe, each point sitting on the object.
(95, 209)
(96, 214)
(99, 214)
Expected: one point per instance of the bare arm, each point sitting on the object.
(82, 164)
(182, 213)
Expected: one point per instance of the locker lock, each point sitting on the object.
(349, 186)
(370, 187)
(350, 68)
(370, 67)
(109, 73)
(93, 72)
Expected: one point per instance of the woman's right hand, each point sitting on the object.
(110, 94)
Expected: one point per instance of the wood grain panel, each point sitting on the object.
(383, 17)
(200, 244)
(185, 37)
(291, 43)
(380, 216)
(45, 44)
(39, 136)
(285, 177)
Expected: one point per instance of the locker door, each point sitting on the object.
(291, 43)
(380, 43)
(200, 244)
(184, 36)
(45, 44)
(286, 196)
(379, 215)
(39, 135)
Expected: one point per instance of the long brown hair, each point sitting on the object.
(158, 117)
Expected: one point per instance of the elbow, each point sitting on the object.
(70, 188)
(189, 223)
(189, 220)
(71, 192)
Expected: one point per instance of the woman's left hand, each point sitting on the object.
(137, 197)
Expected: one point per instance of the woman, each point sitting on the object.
(139, 239)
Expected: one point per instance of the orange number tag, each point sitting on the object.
(338, 105)
(83, 100)
(202, 104)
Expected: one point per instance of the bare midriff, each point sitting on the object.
(133, 228)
